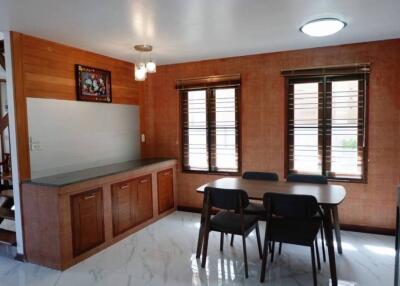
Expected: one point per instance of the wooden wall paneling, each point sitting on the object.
(44, 69)
(21, 117)
(263, 120)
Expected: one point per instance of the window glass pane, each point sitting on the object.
(197, 130)
(345, 160)
(305, 153)
(226, 151)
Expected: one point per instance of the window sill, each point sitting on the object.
(352, 181)
(231, 174)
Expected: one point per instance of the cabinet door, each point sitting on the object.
(87, 220)
(122, 206)
(165, 188)
(144, 202)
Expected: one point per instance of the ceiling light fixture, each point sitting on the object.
(323, 27)
(142, 68)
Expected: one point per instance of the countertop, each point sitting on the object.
(65, 179)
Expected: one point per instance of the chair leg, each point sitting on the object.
(265, 258)
(259, 240)
(246, 267)
(313, 265)
(323, 243)
(221, 243)
(205, 247)
(337, 229)
(280, 248)
(232, 239)
(272, 251)
(317, 253)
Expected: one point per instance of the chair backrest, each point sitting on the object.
(290, 206)
(312, 179)
(227, 199)
(260, 176)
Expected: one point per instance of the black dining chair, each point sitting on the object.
(255, 208)
(319, 179)
(292, 219)
(230, 219)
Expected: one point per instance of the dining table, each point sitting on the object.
(327, 195)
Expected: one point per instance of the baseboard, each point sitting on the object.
(189, 209)
(368, 229)
(348, 227)
(193, 210)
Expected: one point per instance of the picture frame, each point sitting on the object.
(93, 84)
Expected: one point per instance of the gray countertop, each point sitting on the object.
(65, 179)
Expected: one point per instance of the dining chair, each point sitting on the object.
(230, 219)
(292, 219)
(255, 208)
(319, 179)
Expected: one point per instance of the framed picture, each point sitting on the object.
(93, 84)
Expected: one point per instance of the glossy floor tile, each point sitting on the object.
(164, 254)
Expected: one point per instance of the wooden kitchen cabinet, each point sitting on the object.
(132, 203)
(87, 220)
(165, 188)
(144, 203)
(86, 211)
(122, 207)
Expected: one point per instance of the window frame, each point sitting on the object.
(209, 94)
(322, 145)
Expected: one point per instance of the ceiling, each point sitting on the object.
(188, 30)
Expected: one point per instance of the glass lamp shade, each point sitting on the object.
(151, 66)
(323, 27)
(140, 72)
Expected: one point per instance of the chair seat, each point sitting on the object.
(229, 222)
(255, 209)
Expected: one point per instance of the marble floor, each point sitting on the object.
(164, 254)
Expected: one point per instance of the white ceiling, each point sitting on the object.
(187, 30)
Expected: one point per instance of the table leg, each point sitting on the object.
(329, 242)
(201, 229)
(337, 229)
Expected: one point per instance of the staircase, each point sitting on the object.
(7, 216)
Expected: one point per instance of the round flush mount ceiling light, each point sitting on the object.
(322, 27)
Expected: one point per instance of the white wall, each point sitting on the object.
(74, 135)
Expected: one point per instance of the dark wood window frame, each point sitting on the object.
(209, 85)
(322, 76)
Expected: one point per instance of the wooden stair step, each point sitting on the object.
(7, 193)
(7, 237)
(7, 214)
(6, 176)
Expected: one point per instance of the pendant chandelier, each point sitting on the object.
(144, 67)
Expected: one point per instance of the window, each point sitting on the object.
(210, 127)
(327, 124)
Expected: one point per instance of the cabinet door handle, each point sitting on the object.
(143, 181)
(124, 187)
(89, 197)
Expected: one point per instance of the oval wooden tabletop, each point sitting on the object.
(325, 194)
